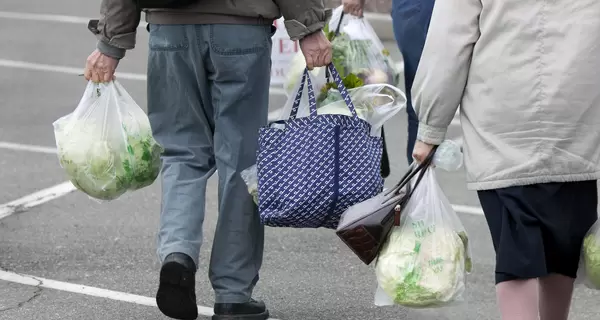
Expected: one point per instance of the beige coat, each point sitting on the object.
(526, 75)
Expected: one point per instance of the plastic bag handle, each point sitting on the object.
(335, 34)
(339, 25)
(312, 101)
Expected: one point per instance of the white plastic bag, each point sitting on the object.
(374, 103)
(448, 156)
(425, 260)
(250, 177)
(294, 73)
(357, 50)
(106, 145)
(589, 267)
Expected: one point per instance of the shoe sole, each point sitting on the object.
(175, 296)
(258, 316)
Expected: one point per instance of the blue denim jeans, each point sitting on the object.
(208, 94)
(411, 21)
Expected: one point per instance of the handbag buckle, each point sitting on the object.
(397, 210)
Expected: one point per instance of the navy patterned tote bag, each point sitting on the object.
(311, 169)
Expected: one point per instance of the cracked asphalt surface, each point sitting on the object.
(306, 275)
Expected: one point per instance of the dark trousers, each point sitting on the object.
(411, 21)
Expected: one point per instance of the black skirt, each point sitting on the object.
(538, 229)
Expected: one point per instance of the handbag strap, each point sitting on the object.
(312, 101)
(423, 169)
(415, 169)
(298, 97)
(420, 169)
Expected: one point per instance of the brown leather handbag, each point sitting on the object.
(364, 227)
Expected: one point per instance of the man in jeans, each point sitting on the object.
(208, 93)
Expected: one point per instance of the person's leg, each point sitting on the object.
(517, 299)
(519, 247)
(182, 123)
(240, 67)
(411, 22)
(555, 291)
(567, 218)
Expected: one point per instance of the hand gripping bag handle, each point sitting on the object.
(312, 101)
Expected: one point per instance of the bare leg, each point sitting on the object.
(518, 299)
(555, 297)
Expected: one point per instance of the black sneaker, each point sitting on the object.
(176, 296)
(251, 310)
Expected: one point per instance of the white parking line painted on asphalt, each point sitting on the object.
(127, 76)
(61, 69)
(477, 211)
(43, 17)
(36, 198)
(26, 147)
(62, 189)
(87, 290)
(77, 71)
(50, 18)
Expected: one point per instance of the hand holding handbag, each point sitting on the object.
(364, 227)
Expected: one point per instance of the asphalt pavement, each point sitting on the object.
(64, 256)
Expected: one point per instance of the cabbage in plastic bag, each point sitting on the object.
(425, 260)
(358, 50)
(374, 103)
(589, 272)
(357, 54)
(250, 177)
(448, 156)
(106, 145)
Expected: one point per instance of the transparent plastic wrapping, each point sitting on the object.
(374, 103)
(250, 177)
(425, 260)
(357, 52)
(106, 145)
(589, 268)
(294, 74)
(448, 156)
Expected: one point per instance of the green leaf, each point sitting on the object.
(352, 81)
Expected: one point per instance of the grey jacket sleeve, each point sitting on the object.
(117, 26)
(303, 17)
(442, 73)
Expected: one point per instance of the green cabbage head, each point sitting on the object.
(423, 266)
(105, 162)
(591, 259)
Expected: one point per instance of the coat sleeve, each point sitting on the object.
(303, 17)
(117, 26)
(444, 66)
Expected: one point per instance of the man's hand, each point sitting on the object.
(421, 151)
(354, 7)
(316, 49)
(100, 67)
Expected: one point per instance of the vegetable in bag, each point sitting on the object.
(250, 177)
(374, 103)
(590, 258)
(358, 55)
(425, 260)
(106, 145)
